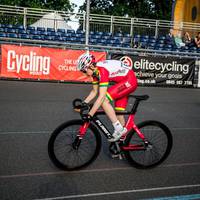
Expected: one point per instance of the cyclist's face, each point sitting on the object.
(90, 70)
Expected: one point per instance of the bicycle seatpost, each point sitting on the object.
(137, 101)
(135, 106)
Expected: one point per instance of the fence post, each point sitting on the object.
(156, 29)
(87, 24)
(111, 24)
(25, 19)
(55, 20)
(131, 30)
(84, 21)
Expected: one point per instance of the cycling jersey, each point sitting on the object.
(110, 70)
(124, 77)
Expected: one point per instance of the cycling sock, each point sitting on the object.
(117, 126)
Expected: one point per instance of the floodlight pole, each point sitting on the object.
(87, 24)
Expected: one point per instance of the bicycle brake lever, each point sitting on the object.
(77, 103)
(84, 108)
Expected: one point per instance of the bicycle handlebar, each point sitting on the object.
(80, 105)
(77, 103)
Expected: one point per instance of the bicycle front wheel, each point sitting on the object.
(68, 152)
(152, 152)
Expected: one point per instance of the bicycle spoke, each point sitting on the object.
(156, 149)
(68, 152)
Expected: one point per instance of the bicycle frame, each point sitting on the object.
(130, 124)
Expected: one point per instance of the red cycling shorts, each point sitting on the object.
(120, 91)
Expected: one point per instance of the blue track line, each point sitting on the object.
(182, 197)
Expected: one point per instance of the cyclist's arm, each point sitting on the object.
(103, 86)
(92, 94)
(99, 101)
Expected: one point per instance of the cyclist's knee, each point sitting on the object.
(106, 101)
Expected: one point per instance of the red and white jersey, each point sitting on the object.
(110, 70)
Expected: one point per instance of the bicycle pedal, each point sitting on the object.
(119, 156)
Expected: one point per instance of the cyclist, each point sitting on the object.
(103, 73)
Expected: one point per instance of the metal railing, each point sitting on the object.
(103, 23)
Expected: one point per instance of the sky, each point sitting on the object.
(78, 3)
(74, 23)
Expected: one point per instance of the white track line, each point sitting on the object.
(90, 171)
(121, 192)
(24, 132)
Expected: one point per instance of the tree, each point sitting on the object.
(154, 9)
(60, 5)
(63, 5)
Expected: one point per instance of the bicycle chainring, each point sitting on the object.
(113, 148)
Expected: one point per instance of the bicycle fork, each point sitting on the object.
(80, 135)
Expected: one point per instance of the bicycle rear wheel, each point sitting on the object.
(154, 151)
(68, 152)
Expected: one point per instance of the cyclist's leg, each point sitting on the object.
(118, 127)
(120, 91)
(109, 110)
(121, 119)
(120, 105)
(116, 92)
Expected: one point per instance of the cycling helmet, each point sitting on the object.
(84, 61)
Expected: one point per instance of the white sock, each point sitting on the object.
(117, 126)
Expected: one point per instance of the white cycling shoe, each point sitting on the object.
(117, 135)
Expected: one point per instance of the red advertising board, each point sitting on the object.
(42, 63)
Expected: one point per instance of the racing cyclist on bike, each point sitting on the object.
(103, 73)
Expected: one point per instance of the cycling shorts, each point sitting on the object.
(120, 91)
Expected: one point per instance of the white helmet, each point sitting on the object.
(84, 61)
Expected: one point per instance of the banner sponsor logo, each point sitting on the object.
(162, 67)
(127, 61)
(68, 65)
(161, 70)
(32, 63)
(43, 63)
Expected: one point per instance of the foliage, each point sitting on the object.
(63, 5)
(60, 5)
(154, 9)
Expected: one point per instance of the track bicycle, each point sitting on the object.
(76, 143)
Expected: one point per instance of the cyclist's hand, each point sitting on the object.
(77, 104)
(77, 110)
(86, 117)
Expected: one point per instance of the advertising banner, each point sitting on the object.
(161, 70)
(42, 63)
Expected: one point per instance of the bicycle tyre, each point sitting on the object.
(58, 144)
(144, 159)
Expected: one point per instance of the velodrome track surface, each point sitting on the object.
(30, 111)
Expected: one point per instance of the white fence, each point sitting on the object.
(103, 23)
